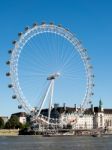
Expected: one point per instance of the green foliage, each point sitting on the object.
(13, 123)
(1, 123)
(8, 125)
(26, 125)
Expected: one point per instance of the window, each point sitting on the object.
(101, 120)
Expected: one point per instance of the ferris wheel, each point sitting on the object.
(48, 65)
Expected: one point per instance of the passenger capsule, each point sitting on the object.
(90, 66)
(93, 85)
(59, 25)
(8, 74)
(19, 106)
(43, 23)
(14, 97)
(10, 86)
(92, 75)
(10, 51)
(26, 28)
(84, 49)
(35, 25)
(14, 42)
(88, 58)
(92, 93)
(20, 34)
(51, 23)
(8, 62)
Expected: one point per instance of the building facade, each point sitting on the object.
(92, 118)
(21, 116)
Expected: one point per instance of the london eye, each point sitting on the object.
(48, 64)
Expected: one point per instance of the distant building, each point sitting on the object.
(5, 118)
(92, 118)
(21, 116)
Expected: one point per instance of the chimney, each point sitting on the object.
(75, 107)
(64, 106)
(100, 105)
(92, 108)
(56, 106)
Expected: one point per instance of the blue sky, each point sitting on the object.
(91, 21)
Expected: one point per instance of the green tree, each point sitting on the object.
(8, 125)
(1, 123)
(26, 125)
(12, 124)
(14, 121)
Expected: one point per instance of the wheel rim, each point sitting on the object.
(38, 30)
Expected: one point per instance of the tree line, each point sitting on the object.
(12, 123)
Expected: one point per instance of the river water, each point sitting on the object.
(55, 143)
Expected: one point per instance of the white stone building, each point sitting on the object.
(21, 116)
(93, 118)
